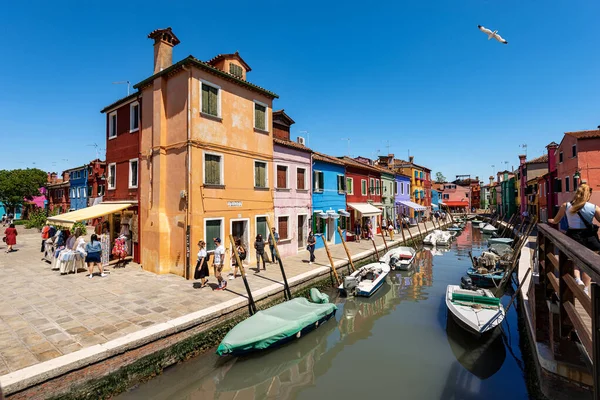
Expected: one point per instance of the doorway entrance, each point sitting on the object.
(239, 229)
(301, 231)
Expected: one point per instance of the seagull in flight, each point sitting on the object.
(492, 34)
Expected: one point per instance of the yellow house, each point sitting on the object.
(206, 153)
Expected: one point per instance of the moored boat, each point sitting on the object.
(501, 240)
(274, 326)
(489, 229)
(366, 280)
(477, 311)
(399, 258)
(486, 279)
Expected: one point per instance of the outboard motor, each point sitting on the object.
(394, 262)
(350, 285)
(467, 283)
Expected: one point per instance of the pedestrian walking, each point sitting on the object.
(273, 239)
(218, 262)
(391, 230)
(4, 217)
(201, 271)
(357, 230)
(93, 252)
(370, 230)
(312, 241)
(580, 215)
(241, 253)
(259, 246)
(45, 236)
(10, 237)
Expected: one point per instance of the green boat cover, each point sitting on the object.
(317, 297)
(268, 327)
(491, 301)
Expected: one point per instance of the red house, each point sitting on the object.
(58, 194)
(96, 181)
(364, 202)
(122, 168)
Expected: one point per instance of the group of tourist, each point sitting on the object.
(203, 257)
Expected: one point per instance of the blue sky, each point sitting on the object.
(417, 74)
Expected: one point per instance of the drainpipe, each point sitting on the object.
(188, 184)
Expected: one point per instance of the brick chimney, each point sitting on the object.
(164, 41)
(491, 180)
(410, 159)
(552, 156)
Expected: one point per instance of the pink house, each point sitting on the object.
(292, 197)
(456, 197)
(578, 160)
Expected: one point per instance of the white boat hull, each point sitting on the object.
(477, 321)
(366, 286)
(403, 256)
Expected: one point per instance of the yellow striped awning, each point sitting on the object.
(99, 210)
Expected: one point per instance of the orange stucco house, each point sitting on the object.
(206, 154)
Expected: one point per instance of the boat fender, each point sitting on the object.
(317, 297)
(298, 334)
(317, 324)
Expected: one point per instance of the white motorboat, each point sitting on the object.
(430, 239)
(399, 258)
(489, 229)
(502, 240)
(476, 311)
(439, 238)
(366, 280)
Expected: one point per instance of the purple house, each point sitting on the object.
(402, 194)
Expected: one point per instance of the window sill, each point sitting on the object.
(112, 137)
(283, 189)
(258, 130)
(213, 117)
(285, 241)
(212, 186)
(318, 191)
(302, 190)
(262, 189)
(114, 188)
(133, 187)
(134, 130)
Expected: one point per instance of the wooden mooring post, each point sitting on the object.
(286, 287)
(350, 262)
(251, 305)
(384, 242)
(337, 278)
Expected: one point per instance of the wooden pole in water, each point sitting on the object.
(518, 290)
(412, 240)
(419, 228)
(350, 263)
(375, 247)
(425, 226)
(472, 260)
(251, 305)
(384, 242)
(286, 288)
(337, 278)
(402, 232)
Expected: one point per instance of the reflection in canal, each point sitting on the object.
(397, 343)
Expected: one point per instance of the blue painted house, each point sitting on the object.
(78, 179)
(435, 200)
(402, 194)
(329, 199)
(3, 211)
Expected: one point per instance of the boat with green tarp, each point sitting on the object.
(477, 311)
(276, 325)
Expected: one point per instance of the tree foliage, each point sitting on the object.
(439, 177)
(18, 185)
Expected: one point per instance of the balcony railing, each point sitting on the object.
(578, 313)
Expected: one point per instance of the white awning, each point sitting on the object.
(344, 213)
(414, 206)
(99, 210)
(434, 207)
(321, 214)
(365, 209)
(332, 214)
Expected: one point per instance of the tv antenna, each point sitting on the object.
(524, 146)
(348, 143)
(122, 83)
(95, 145)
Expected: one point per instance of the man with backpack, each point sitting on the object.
(241, 250)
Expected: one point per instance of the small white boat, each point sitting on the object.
(439, 238)
(366, 280)
(500, 240)
(476, 311)
(399, 258)
(489, 229)
(430, 239)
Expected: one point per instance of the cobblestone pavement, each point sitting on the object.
(45, 314)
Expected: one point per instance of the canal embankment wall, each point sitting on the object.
(103, 370)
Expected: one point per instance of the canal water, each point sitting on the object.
(397, 344)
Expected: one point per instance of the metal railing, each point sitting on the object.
(558, 257)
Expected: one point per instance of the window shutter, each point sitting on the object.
(343, 182)
(283, 227)
(281, 177)
(204, 98)
(321, 181)
(300, 179)
(212, 174)
(213, 230)
(259, 116)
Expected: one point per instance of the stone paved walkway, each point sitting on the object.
(45, 315)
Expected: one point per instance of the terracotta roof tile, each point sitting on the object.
(291, 144)
(540, 159)
(326, 158)
(235, 55)
(591, 134)
(352, 162)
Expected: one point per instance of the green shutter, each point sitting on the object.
(213, 230)
(260, 175)
(259, 116)
(212, 173)
(210, 99)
